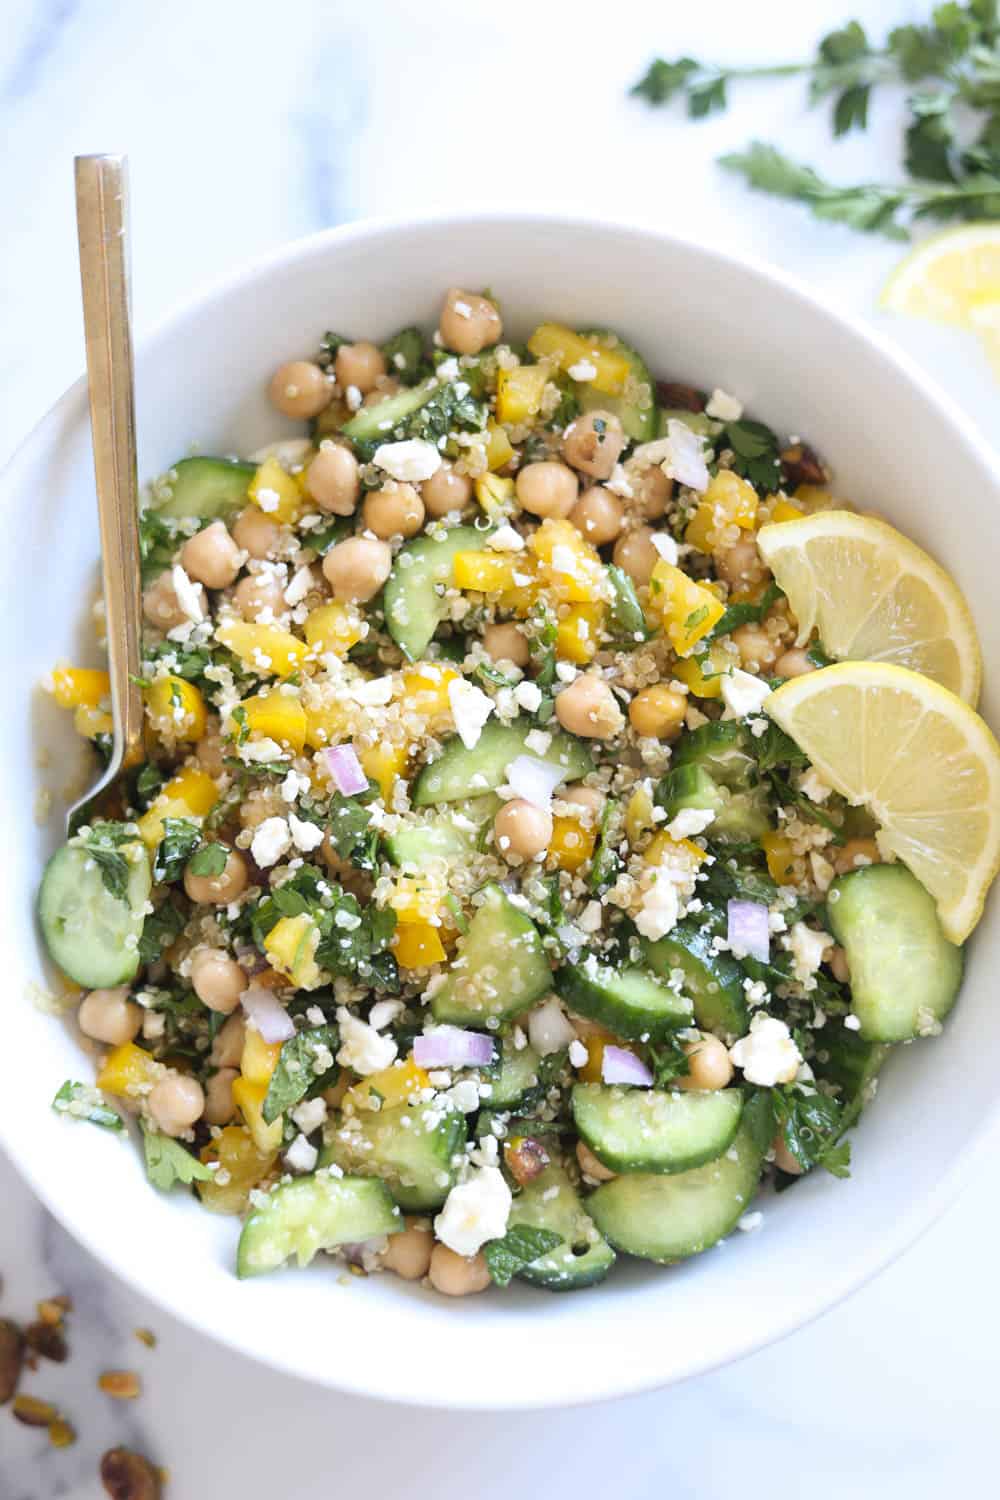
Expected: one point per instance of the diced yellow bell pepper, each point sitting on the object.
(274, 716)
(128, 1071)
(384, 764)
(416, 899)
(334, 627)
(578, 633)
(291, 946)
(702, 675)
(499, 449)
(728, 501)
(638, 815)
(425, 688)
(553, 341)
(249, 1098)
(80, 687)
(485, 572)
(90, 722)
(176, 709)
(393, 1085)
(242, 1167)
(780, 856)
(189, 794)
(784, 510)
(571, 845)
(519, 392)
(494, 493)
(687, 610)
(326, 724)
(521, 598)
(595, 1042)
(663, 844)
(275, 492)
(266, 649)
(417, 945)
(571, 569)
(259, 1058)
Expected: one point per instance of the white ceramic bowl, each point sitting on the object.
(896, 444)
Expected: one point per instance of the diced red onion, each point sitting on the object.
(452, 1047)
(267, 1013)
(749, 930)
(533, 779)
(345, 768)
(619, 1066)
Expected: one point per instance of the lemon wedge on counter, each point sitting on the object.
(953, 277)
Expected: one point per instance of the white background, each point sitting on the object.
(247, 124)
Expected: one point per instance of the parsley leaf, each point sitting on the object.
(103, 843)
(930, 139)
(668, 1062)
(301, 1065)
(159, 930)
(626, 621)
(210, 859)
(158, 541)
(81, 1101)
(181, 837)
(758, 453)
(349, 828)
(775, 748)
(811, 1127)
(520, 1247)
(605, 863)
(167, 1162)
(404, 356)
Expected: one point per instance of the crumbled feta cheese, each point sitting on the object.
(448, 369)
(361, 1046)
(689, 822)
(301, 1155)
(411, 460)
(750, 1222)
(271, 840)
(619, 483)
(537, 740)
(565, 559)
(685, 458)
(578, 1054)
(528, 695)
(294, 785)
(375, 693)
(189, 595)
(592, 917)
(813, 785)
(852, 1022)
(265, 751)
(305, 836)
(384, 1012)
(742, 693)
(464, 1096)
(353, 398)
(505, 539)
(302, 582)
(583, 370)
(267, 499)
(660, 909)
(566, 672)
(549, 1028)
(807, 948)
(767, 1054)
(475, 1211)
(471, 707)
(665, 546)
(723, 407)
(310, 1115)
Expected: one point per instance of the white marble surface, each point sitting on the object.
(247, 124)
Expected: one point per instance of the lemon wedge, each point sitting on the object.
(872, 595)
(920, 759)
(953, 277)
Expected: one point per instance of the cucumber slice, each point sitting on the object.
(500, 968)
(905, 974)
(444, 838)
(92, 935)
(713, 980)
(646, 1130)
(414, 597)
(743, 818)
(689, 786)
(666, 1218)
(740, 816)
(584, 1257)
(377, 424)
(318, 1212)
(628, 1002)
(459, 772)
(414, 1159)
(636, 407)
(718, 748)
(209, 488)
(516, 1084)
(698, 422)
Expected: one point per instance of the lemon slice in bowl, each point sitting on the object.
(953, 277)
(920, 759)
(872, 595)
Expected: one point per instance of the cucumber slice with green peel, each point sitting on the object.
(459, 772)
(90, 933)
(689, 786)
(698, 422)
(740, 816)
(414, 596)
(314, 1213)
(666, 1218)
(441, 839)
(500, 967)
(714, 981)
(411, 1148)
(905, 974)
(210, 489)
(377, 424)
(719, 749)
(647, 1130)
(584, 1257)
(516, 1084)
(743, 818)
(635, 408)
(629, 1002)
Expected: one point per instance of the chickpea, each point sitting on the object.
(359, 365)
(838, 966)
(758, 650)
(256, 533)
(708, 1064)
(587, 798)
(300, 389)
(783, 1158)
(589, 708)
(227, 1048)
(220, 1107)
(387, 386)
(591, 1166)
(547, 489)
(658, 712)
(175, 1103)
(446, 491)
(333, 479)
(469, 323)
(394, 510)
(506, 643)
(635, 554)
(593, 443)
(217, 979)
(211, 557)
(855, 854)
(456, 1276)
(409, 1252)
(218, 890)
(356, 569)
(522, 831)
(651, 490)
(257, 593)
(740, 565)
(599, 515)
(110, 1016)
(794, 663)
(161, 606)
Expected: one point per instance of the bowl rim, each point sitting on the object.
(929, 1207)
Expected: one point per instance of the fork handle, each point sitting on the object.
(102, 228)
